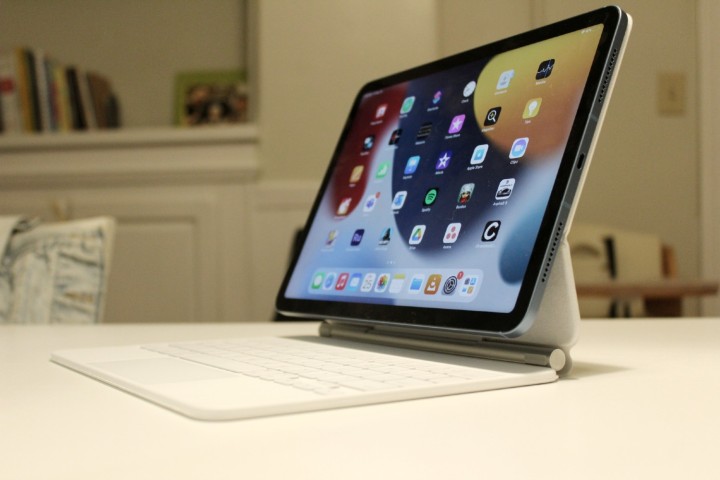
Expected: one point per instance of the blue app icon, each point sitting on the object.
(416, 283)
(357, 237)
(412, 164)
(518, 147)
(329, 281)
(354, 282)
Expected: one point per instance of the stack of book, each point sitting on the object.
(39, 94)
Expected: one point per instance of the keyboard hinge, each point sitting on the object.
(493, 349)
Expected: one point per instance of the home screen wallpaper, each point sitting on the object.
(441, 183)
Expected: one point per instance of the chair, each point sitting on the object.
(620, 273)
(54, 273)
(603, 255)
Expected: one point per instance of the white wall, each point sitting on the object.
(314, 56)
(140, 45)
(709, 46)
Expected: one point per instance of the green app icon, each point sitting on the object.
(407, 105)
(318, 280)
(382, 170)
(430, 196)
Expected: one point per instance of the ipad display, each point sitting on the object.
(449, 180)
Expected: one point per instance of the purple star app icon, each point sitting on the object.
(456, 124)
(443, 160)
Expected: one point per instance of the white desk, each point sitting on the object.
(643, 402)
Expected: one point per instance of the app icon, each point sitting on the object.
(416, 283)
(344, 206)
(452, 232)
(431, 196)
(383, 281)
(505, 189)
(399, 200)
(356, 174)
(532, 108)
(380, 111)
(469, 89)
(437, 97)
(518, 147)
(412, 165)
(478, 155)
(418, 232)
(397, 282)
(342, 281)
(465, 194)
(450, 285)
(433, 284)
(368, 282)
(354, 283)
(357, 237)
(504, 79)
(545, 69)
(329, 282)
(385, 236)
(395, 136)
(370, 202)
(407, 105)
(492, 117)
(456, 124)
(443, 160)
(469, 285)
(490, 232)
(382, 170)
(317, 281)
(368, 142)
(424, 132)
(332, 236)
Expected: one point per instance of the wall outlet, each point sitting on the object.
(671, 96)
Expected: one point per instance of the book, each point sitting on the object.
(77, 112)
(34, 96)
(24, 90)
(101, 95)
(86, 102)
(9, 93)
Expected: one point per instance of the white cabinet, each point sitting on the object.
(182, 205)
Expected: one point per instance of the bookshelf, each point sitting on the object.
(128, 137)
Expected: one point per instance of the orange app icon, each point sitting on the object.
(433, 284)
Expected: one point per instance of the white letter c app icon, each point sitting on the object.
(491, 230)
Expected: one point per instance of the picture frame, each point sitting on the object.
(210, 98)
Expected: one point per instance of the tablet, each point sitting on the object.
(453, 183)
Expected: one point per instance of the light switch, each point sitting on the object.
(671, 93)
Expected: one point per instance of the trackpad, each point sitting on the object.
(160, 370)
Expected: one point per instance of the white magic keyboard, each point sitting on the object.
(320, 368)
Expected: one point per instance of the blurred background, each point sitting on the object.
(206, 215)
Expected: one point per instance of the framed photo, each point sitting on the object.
(210, 97)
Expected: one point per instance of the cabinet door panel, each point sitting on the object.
(153, 272)
(165, 263)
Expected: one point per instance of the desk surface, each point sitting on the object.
(642, 402)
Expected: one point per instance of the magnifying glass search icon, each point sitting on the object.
(492, 117)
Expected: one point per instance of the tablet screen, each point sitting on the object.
(441, 182)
